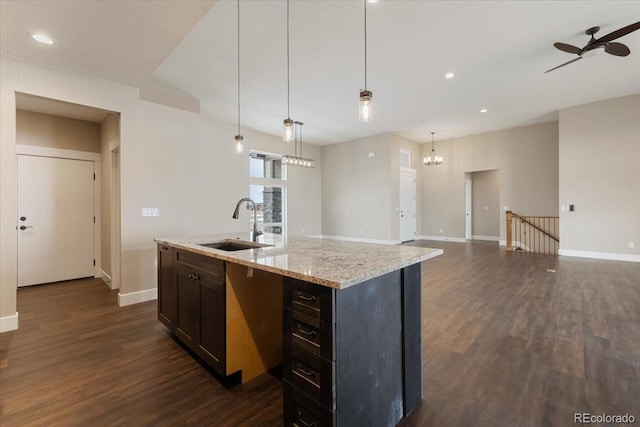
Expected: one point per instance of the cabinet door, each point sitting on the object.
(211, 333)
(187, 289)
(166, 286)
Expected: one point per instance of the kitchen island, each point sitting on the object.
(343, 318)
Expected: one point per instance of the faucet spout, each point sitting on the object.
(236, 213)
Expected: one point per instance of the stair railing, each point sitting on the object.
(537, 234)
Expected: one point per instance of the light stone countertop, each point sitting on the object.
(334, 263)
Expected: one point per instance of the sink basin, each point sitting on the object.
(234, 245)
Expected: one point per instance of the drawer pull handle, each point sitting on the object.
(194, 276)
(311, 333)
(304, 371)
(302, 297)
(302, 420)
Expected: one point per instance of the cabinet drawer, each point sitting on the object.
(308, 333)
(311, 374)
(308, 298)
(213, 267)
(301, 411)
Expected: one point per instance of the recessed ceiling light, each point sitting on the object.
(449, 76)
(484, 110)
(42, 38)
(372, 1)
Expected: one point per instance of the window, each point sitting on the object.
(267, 188)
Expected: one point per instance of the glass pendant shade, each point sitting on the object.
(288, 133)
(366, 104)
(239, 144)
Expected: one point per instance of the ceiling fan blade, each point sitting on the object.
(566, 63)
(567, 48)
(619, 33)
(617, 49)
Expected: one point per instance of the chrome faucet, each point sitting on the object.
(255, 233)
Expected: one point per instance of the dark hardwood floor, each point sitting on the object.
(506, 342)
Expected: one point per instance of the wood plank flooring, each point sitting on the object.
(505, 343)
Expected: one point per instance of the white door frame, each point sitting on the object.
(34, 150)
(468, 197)
(414, 173)
(114, 198)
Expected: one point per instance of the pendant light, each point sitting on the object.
(239, 138)
(432, 159)
(288, 125)
(297, 159)
(366, 96)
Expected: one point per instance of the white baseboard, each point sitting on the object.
(104, 275)
(137, 297)
(443, 238)
(9, 323)
(486, 238)
(502, 243)
(599, 255)
(359, 239)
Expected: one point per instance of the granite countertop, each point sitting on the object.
(333, 263)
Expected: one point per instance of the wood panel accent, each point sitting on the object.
(254, 321)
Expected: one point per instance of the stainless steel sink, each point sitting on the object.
(233, 245)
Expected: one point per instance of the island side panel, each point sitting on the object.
(412, 336)
(369, 366)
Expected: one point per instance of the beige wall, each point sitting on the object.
(180, 162)
(527, 158)
(45, 130)
(357, 199)
(600, 175)
(485, 204)
(109, 139)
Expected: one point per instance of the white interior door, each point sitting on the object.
(468, 187)
(55, 219)
(407, 205)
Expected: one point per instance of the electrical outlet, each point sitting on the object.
(632, 245)
(441, 230)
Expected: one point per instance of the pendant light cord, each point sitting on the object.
(238, 67)
(365, 44)
(288, 114)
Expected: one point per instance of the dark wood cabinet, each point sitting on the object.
(187, 313)
(211, 334)
(191, 302)
(350, 356)
(344, 358)
(167, 291)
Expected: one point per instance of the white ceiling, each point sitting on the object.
(498, 51)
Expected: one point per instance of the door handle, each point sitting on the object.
(24, 227)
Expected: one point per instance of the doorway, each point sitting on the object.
(56, 217)
(482, 205)
(407, 204)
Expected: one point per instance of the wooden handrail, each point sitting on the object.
(535, 226)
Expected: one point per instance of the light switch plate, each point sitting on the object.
(150, 212)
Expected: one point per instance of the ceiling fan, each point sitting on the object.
(605, 42)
